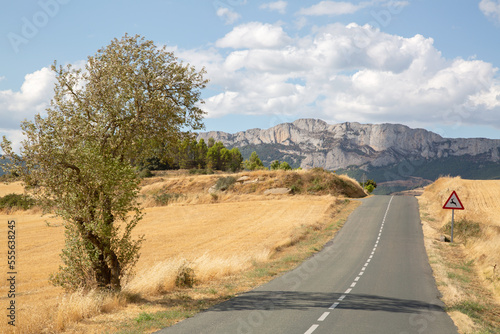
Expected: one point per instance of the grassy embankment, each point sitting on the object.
(467, 271)
(228, 242)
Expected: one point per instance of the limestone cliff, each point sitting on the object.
(335, 146)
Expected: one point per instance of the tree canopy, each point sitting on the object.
(130, 99)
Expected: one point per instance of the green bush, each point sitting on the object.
(145, 173)
(285, 166)
(165, 199)
(224, 183)
(369, 188)
(17, 201)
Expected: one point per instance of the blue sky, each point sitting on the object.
(429, 64)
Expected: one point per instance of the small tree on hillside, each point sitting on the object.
(370, 186)
(236, 159)
(214, 159)
(131, 98)
(253, 162)
(275, 165)
(285, 166)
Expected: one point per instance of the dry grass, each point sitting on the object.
(218, 239)
(11, 188)
(464, 270)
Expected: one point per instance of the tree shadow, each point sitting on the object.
(280, 300)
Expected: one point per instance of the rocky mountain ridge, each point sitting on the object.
(315, 143)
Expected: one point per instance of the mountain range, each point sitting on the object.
(384, 152)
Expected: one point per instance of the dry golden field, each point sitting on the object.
(217, 235)
(11, 188)
(475, 249)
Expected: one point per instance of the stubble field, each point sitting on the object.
(216, 235)
(467, 270)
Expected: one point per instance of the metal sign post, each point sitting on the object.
(452, 219)
(453, 203)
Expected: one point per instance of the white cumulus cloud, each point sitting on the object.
(346, 73)
(279, 6)
(491, 8)
(33, 97)
(254, 35)
(229, 15)
(332, 8)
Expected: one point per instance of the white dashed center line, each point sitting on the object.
(353, 284)
(312, 329)
(323, 316)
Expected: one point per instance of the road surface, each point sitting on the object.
(373, 277)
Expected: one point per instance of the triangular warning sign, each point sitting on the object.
(453, 202)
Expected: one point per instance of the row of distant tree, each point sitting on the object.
(190, 153)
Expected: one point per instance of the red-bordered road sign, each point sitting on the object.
(453, 202)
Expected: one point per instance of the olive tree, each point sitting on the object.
(131, 98)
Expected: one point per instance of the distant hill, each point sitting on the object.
(383, 152)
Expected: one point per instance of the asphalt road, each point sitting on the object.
(373, 277)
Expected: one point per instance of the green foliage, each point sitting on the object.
(220, 158)
(369, 188)
(253, 162)
(236, 160)
(285, 166)
(271, 152)
(144, 317)
(224, 183)
(16, 201)
(131, 99)
(371, 183)
(277, 165)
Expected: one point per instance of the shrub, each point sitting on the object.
(316, 185)
(185, 277)
(295, 189)
(285, 166)
(224, 183)
(165, 199)
(369, 188)
(145, 173)
(16, 201)
(200, 171)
